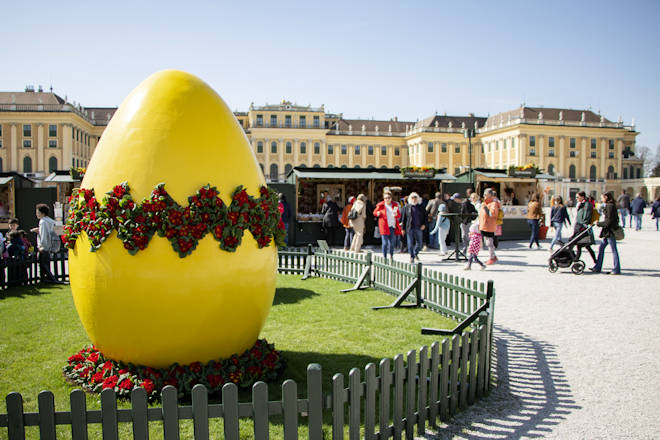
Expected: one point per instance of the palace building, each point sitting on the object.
(41, 132)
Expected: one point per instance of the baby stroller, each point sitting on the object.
(565, 256)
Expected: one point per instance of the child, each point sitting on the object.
(474, 247)
(15, 247)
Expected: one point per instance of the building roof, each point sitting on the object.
(355, 125)
(100, 115)
(546, 114)
(26, 98)
(444, 121)
(360, 174)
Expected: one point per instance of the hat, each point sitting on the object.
(456, 196)
(351, 199)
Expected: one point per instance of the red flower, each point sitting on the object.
(140, 219)
(214, 380)
(126, 384)
(93, 357)
(218, 231)
(118, 191)
(78, 366)
(171, 381)
(123, 371)
(107, 365)
(195, 367)
(233, 217)
(231, 241)
(148, 385)
(241, 197)
(76, 358)
(97, 377)
(110, 382)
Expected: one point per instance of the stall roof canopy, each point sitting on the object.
(360, 174)
(496, 174)
(6, 177)
(60, 177)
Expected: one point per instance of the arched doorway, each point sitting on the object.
(592, 172)
(27, 164)
(52, 164)
(274, 172)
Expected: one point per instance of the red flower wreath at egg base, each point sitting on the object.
(92, 371)
(136, 223)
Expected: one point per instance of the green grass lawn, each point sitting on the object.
(310, 322)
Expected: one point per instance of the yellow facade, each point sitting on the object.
(568, 144)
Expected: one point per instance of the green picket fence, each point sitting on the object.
(398, 397)
(25, 271)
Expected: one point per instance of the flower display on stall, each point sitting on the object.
(77, 173)
(92, 371)
(136, 223)
(418, 171)
(529, 169)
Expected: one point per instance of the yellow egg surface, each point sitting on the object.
(155, 308)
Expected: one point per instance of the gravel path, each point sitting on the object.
(577, 357)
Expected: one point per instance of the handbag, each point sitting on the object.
(619, 234)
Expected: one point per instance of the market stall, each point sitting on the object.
(64, 182)
(514, 189)
(340, 183)
(10, 184)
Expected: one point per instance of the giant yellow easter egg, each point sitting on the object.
(155, 308)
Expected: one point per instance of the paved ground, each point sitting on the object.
(578, 356)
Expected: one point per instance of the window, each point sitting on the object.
(571, 172)
(27, 130)
(551, 153)
(0, 130)
(593, 154)
(611, 144)
(260, 147)
(287, 148)
(443, 147)
(27, 143)
(73, 136)
(532, 141)
(27, 164)
(344, 149)
(357, 150)
(504, 144)
(497, 145)
(532, 151)
(610, 172)
(639, 173)
(317, 165)
(317, 148)
(52, 164)
(572, 154)
(316, 122)
(273, 120)
(0, 164)
(396, 151)
(273, 147)
(513, 142)
(331, 149)
(572, 142)
(52, 143)
(593, 143)
(383, 150)
(551, 169)
(302, 165)
(456, 171)
(303, 121)
(303, 148)
(274, 172)
(457, 148)
(430, 147)
(52, 130)
(611, 155)
(260, 120)
(551, 141)
(356, 166)
(287, 169)
(625, 172)
(344, 166)
(287, 121)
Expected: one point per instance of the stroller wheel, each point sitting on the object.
(552, 266)
(577, 268)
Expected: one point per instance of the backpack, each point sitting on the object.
(595, 216)
(352, 214)
(500, 216)
(55, 242)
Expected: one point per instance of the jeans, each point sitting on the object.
(473, 258)
(348, 238)
(44, 268)
(414, 238)
(286, 233)
(433, 238)
(601, 255)
(558, 226)
(465, 236)
(534, 238)
(387, 244)
(638, 221)
(623, 212)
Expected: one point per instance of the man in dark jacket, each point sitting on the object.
(432, 213)
(469, 213)
(624, 207)
(636, 211)
(413, 222)
(330, 212)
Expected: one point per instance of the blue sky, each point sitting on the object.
(363, 59)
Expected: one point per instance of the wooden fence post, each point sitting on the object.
(418, 287)
(315, 396)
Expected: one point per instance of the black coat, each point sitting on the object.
(610, 221)
(407, 216)
(330, 212)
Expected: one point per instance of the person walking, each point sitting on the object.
(388, 214)
(348, 230)
(624, 207)
(655, 213)
(609, 224)
(330, 212)
(441, 228)
(432, 212)
(47, 242)
(637, 211)
(469, 213)
(558, 216)
(413, 223)
(356, 219)
(474, 246)
(534, 215)
(582, 222)
(488, 222)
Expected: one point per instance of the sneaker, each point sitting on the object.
(483, 267)
(412, 260)
(491, 261)
(594, 270)
(467, 267)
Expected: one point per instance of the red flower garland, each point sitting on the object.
(136, 223)
(91, 370)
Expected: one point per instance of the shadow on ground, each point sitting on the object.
(531, 395)
(23, 291)
(291, 296)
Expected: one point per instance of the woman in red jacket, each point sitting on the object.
(388, 214)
